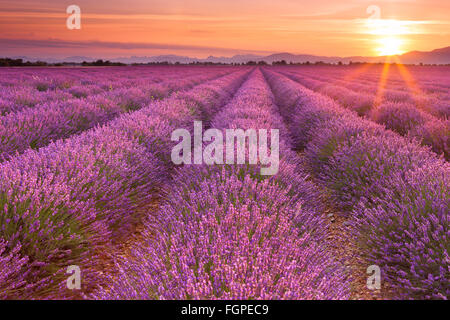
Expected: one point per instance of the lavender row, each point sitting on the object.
(67, 202)
(362, 97)
(38, 126)
(401, 117)
(401, 81)
(226, 232)
(372, 93)
(395, 190)
(33, 87)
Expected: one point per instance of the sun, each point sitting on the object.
(389, 46)
(389, 35)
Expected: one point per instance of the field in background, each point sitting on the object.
(86, 179)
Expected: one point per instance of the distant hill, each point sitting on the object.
(438, 56)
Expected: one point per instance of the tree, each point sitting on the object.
(279, 63)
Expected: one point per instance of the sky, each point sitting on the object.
(200, 28)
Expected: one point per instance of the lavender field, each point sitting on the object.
(87, 179)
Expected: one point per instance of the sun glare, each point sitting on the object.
(389, 46)
(389, 35)
(388, 27)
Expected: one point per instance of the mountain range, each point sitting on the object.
(437, 56)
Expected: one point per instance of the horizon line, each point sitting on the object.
(58, 43)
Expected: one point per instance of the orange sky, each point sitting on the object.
(112, 28)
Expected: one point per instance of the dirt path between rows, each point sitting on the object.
(345, 251)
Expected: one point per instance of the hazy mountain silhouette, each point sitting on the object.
(437, 56)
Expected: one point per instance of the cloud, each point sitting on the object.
(58, 43)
